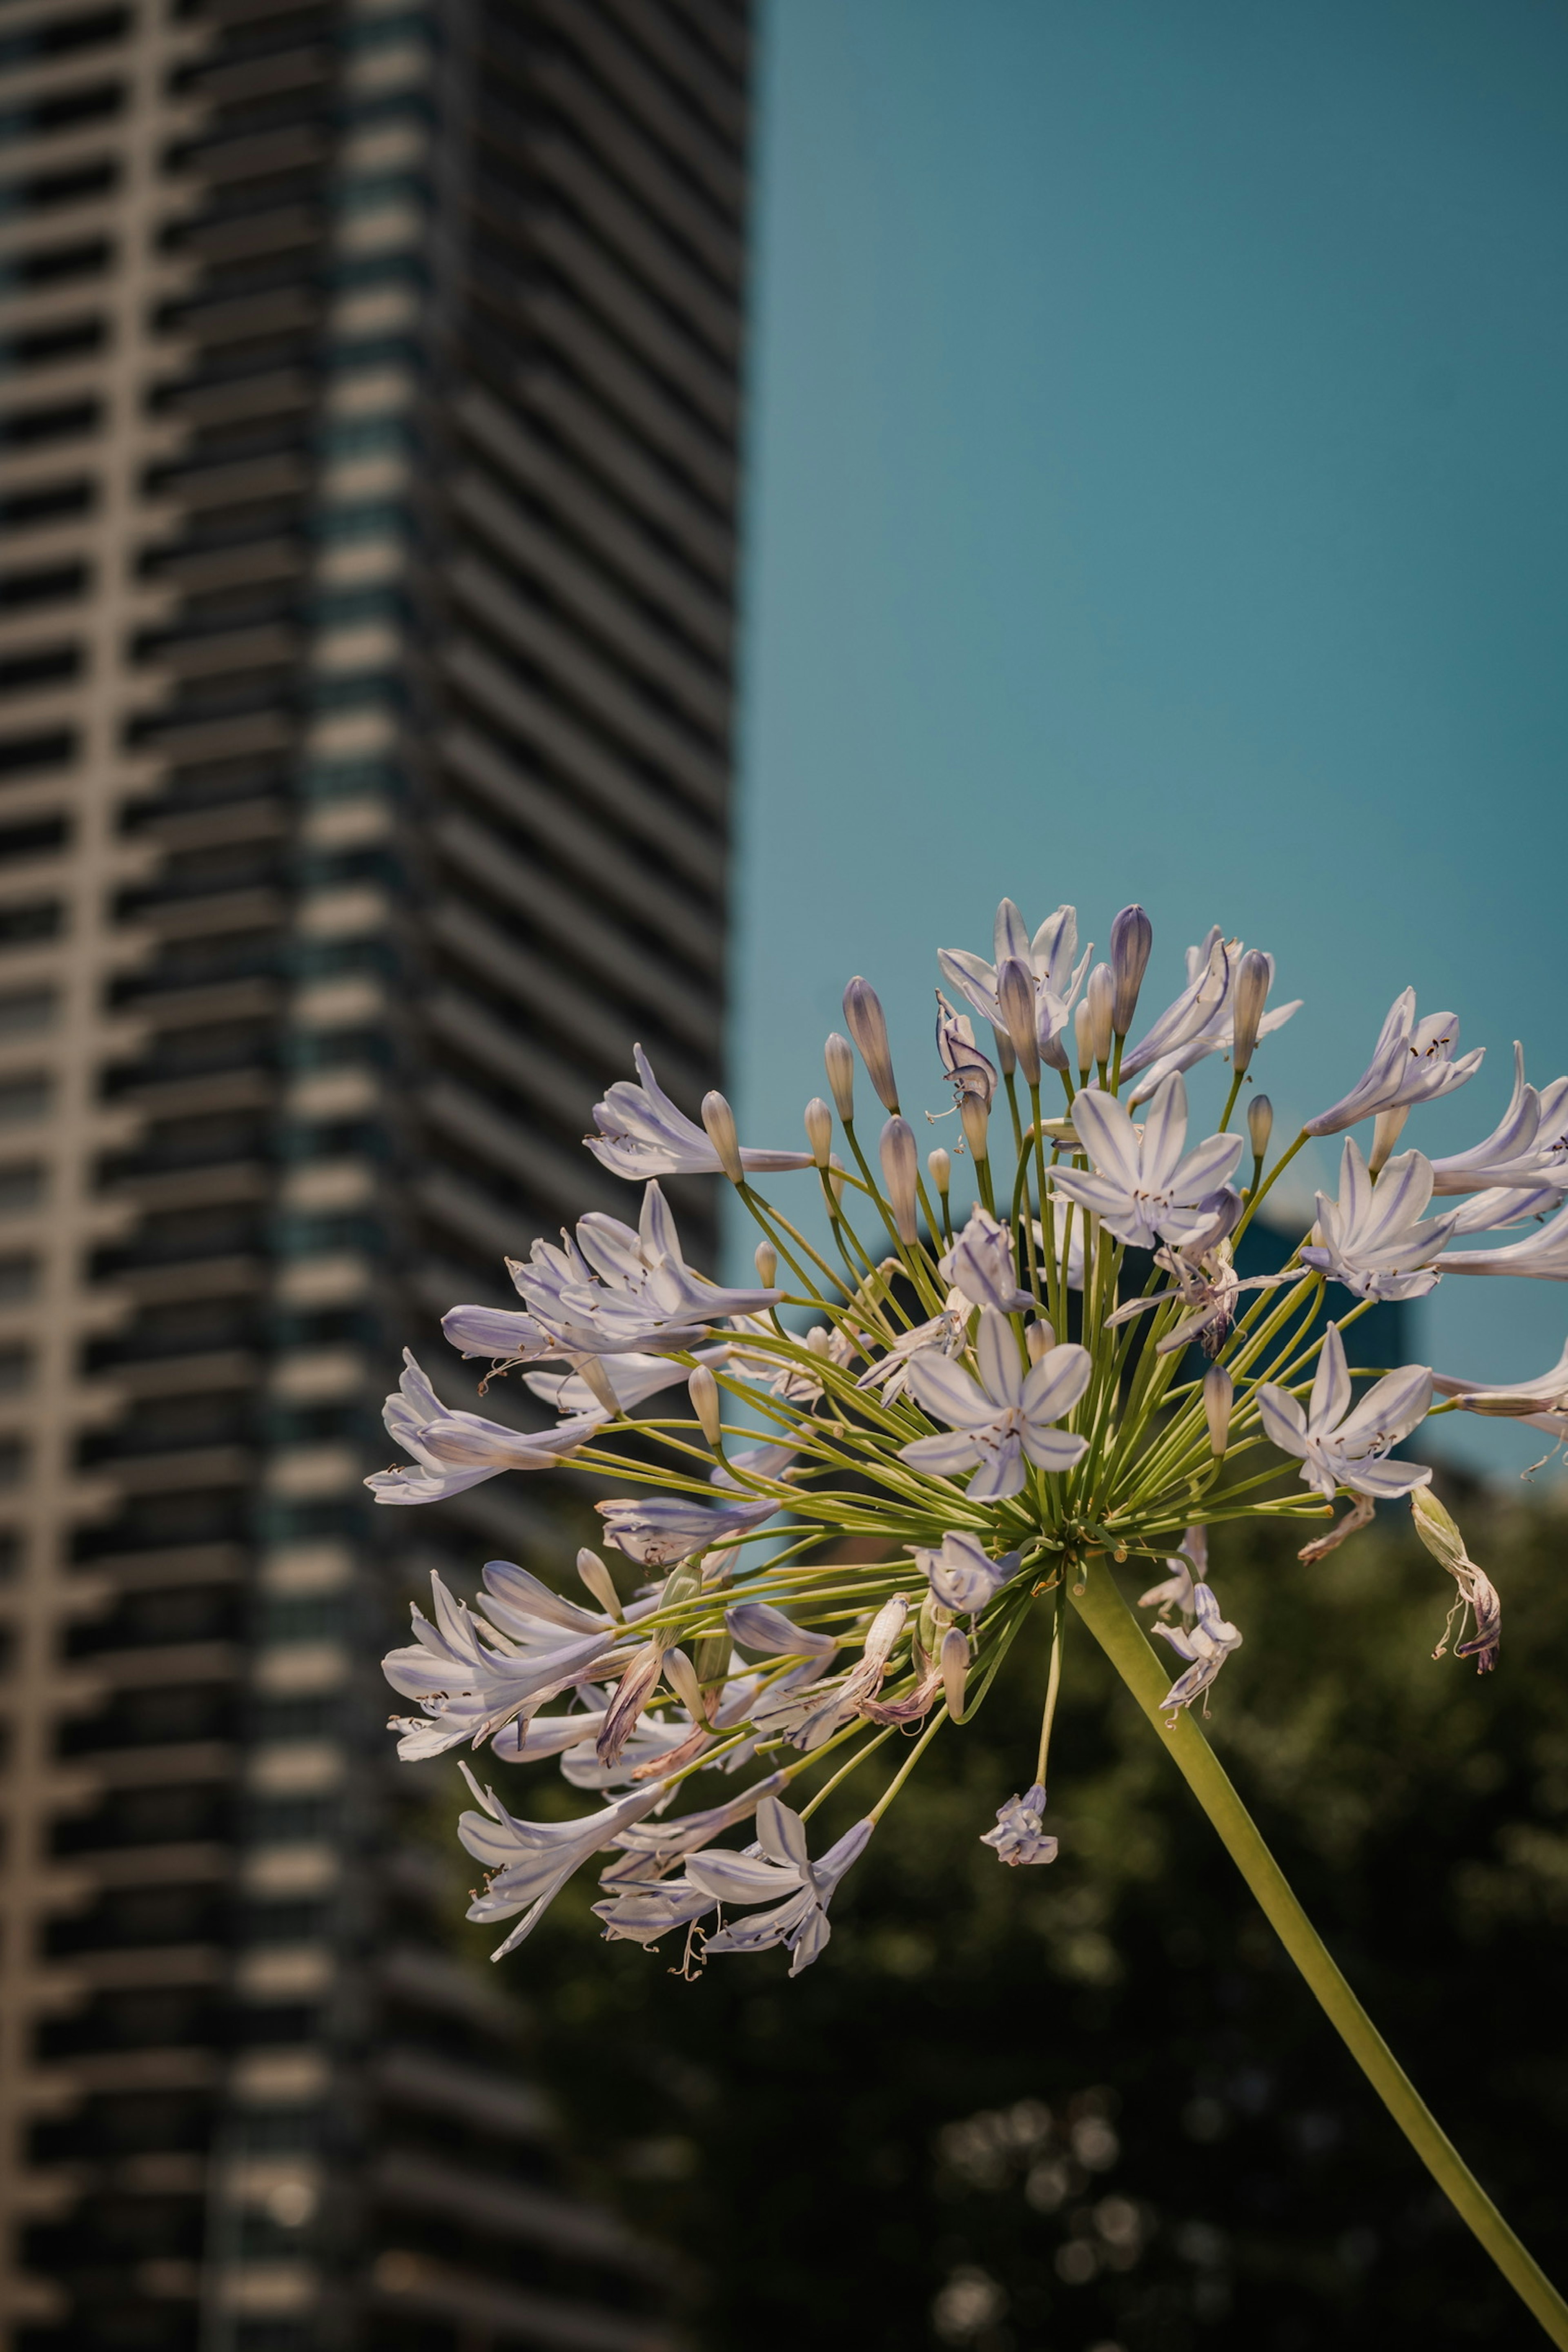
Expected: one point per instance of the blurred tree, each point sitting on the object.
(1091, 2107)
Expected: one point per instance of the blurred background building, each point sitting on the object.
(367, 465)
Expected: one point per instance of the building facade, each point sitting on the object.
(367, 465)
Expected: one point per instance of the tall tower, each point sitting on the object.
(367, 464)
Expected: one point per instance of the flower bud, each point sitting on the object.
(900, 1171)
(712, 1656)
(681, 1676)
(1131, 937)
(600, 1583)
(939, 1162)
(765, 1258)
(835, 1178)
(1251, 995)
(975, 1116)
(819, 1339)
(818, 1129)
(1040, 1337)
(703, 1390)
(1101, 995)
(868, 1027)
(1437, 1530)
(954, 1656)
(1082, 1029)
(720, 1121)
(1016, 995)
(1259, 1124)
(1387, 1130)
(1219, 1395)
(839, 1057)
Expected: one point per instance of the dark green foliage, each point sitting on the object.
(1091, 2107)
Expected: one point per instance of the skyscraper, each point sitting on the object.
(367, 464)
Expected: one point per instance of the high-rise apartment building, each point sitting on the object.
(367, 468)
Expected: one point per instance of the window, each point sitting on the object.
(50, 747)
(21, 1187)
(24, 510)
(62, 339)
(25, 1012)
(65, 110)
(15, 1371)
(19, 1276)
(25, 1097)
(46, 584)
(35, 192)
(27, 920)
(38, 837)
(52, 265)
(27, 428)
(42, 666)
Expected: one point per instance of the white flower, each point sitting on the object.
(472, 1677)
(1003, 1416)
(961, 1576)
(1412, 1062)
(1372, 1238)
(1343, 1446)
(1143, 1190)
(1018, 1836)
(1540, 1404)
(980, 1265)
(783, 1869)
(1202, 1021)
(456, 1450)
(1528, 1147)
(964, 1065)
(610, 1291)
(1542, 1257)
(663, 1530)
(1205, 1643)
(499, 1333)
(642, 1133)
(530, 1861)
(1049, 955)
(631, 1380)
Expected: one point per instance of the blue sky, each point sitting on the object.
(1159, 491)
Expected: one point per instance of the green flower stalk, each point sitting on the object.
(984, 1406)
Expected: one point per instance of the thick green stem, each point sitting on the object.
(1120, 1636)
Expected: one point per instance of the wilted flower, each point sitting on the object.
(1206, 1644)
(1017, 1836)
(961, 1577)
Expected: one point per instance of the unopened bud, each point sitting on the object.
(975, 1116)
(1131, 937)
(720, 1121)
(1509, 1407)
(703, 1390)
(954, 1657)
(1386, 1131)
(1016, 995)
(900, 1172)
(819, 1339)
(1219, 1395)
(1081, 1030)
(1259, 1124)
(681, 1676)
(712, 1656)
(599, 1582)
(868, 1027)
(939, 1162)
(1252, 976)
(1437, 1530)
(1040, 1337)
(1101, 1003)
(835, 1178)
(765, 1258)
(838, 1055)
(819, 1129)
